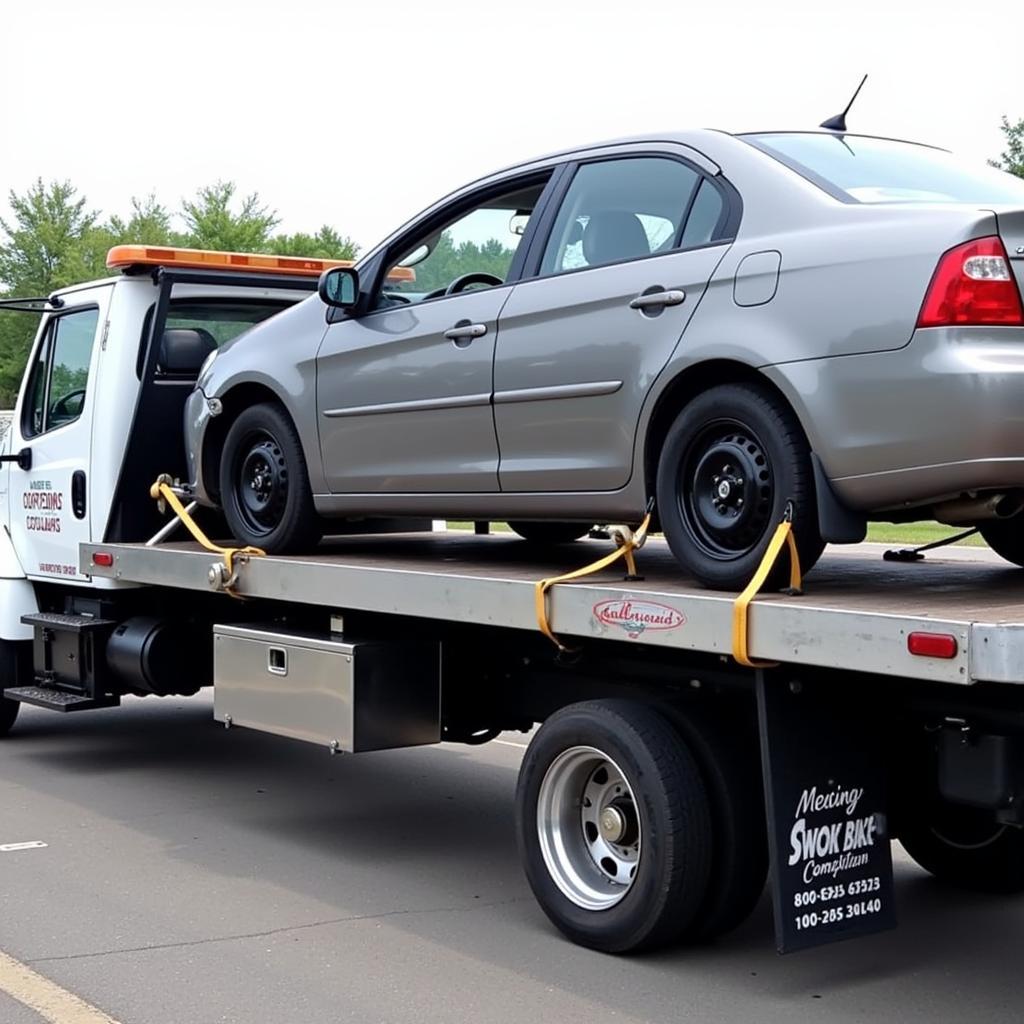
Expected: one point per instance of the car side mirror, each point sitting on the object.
(339, 287)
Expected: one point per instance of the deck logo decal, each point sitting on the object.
(636, 617)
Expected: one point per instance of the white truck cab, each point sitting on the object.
(99, 413)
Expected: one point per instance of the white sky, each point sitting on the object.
(360, 114)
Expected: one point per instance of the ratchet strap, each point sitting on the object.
(741, 607)
(627, 540)
(161, 492)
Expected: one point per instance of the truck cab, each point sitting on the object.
(99, 412)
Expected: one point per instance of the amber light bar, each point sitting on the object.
(121, 256)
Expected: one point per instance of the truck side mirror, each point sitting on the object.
(339, 287)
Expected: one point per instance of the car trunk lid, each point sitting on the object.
(1011, 230)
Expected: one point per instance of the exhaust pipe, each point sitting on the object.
(967, 511)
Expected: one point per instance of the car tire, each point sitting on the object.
(1005, 537)
(732, 461)
(637, 888)
(264, 483)
(549, 533)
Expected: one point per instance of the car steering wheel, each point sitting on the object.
(60, 410)
(476, 277)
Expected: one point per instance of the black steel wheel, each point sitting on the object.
(732, 461)
(613, 826)
(264, 484)
(550, 533)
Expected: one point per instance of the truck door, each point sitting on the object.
(49, 502)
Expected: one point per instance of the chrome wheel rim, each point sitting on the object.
(589, 828)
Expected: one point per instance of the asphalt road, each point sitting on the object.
(193, 875)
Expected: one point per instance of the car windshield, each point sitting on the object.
(857, 168)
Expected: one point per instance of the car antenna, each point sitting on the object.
(838, 123)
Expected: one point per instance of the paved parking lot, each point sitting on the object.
(193, 875)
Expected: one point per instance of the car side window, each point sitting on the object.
(622, 209)
(473, 250)
(60, 375)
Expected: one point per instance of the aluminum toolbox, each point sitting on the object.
(349, 696)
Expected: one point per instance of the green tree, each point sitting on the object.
(42, 250)
(211, 223)
(326, 244)
(1012, 158)
(51, 241)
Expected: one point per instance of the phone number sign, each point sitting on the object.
(831, 873)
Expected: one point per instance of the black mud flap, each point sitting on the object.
(831, 863)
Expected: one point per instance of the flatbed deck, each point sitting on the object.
(856, 612)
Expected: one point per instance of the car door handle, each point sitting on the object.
(464, 332)
(672, 297)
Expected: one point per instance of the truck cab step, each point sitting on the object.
(59, 622)
(58, 700)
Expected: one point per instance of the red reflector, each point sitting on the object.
(973, 285)
(932, 645)
(104, 558)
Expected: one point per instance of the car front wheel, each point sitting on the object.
(264, 483)
(732, 461)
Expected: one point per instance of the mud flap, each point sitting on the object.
(831, 863)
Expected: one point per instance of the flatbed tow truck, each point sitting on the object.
(686, 751)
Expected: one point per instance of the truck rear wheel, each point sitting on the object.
(965, 847)
(729, 761)
(613, 825)
(264, 483)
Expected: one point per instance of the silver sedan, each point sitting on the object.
(732, 325)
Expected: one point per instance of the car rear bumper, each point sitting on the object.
(942, 415)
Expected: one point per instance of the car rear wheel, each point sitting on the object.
(732, 461)
(264, 483)
(549, 533)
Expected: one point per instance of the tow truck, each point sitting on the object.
(690, 745)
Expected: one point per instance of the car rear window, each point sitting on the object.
(861, 169)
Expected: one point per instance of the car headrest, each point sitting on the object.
(613, 235)
(184, 349)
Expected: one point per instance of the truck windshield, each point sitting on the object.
(861, 169)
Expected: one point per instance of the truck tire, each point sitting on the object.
(550, 533)
(613, 826)
(11, 674)
(730, 764)
(264, 483)
(965, 847)
(731, 462)
(8, 713)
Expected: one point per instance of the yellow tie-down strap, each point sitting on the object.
(161, 491)
(627, 540)
(741, 608)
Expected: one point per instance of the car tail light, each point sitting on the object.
(103, 558)
(973, 285)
